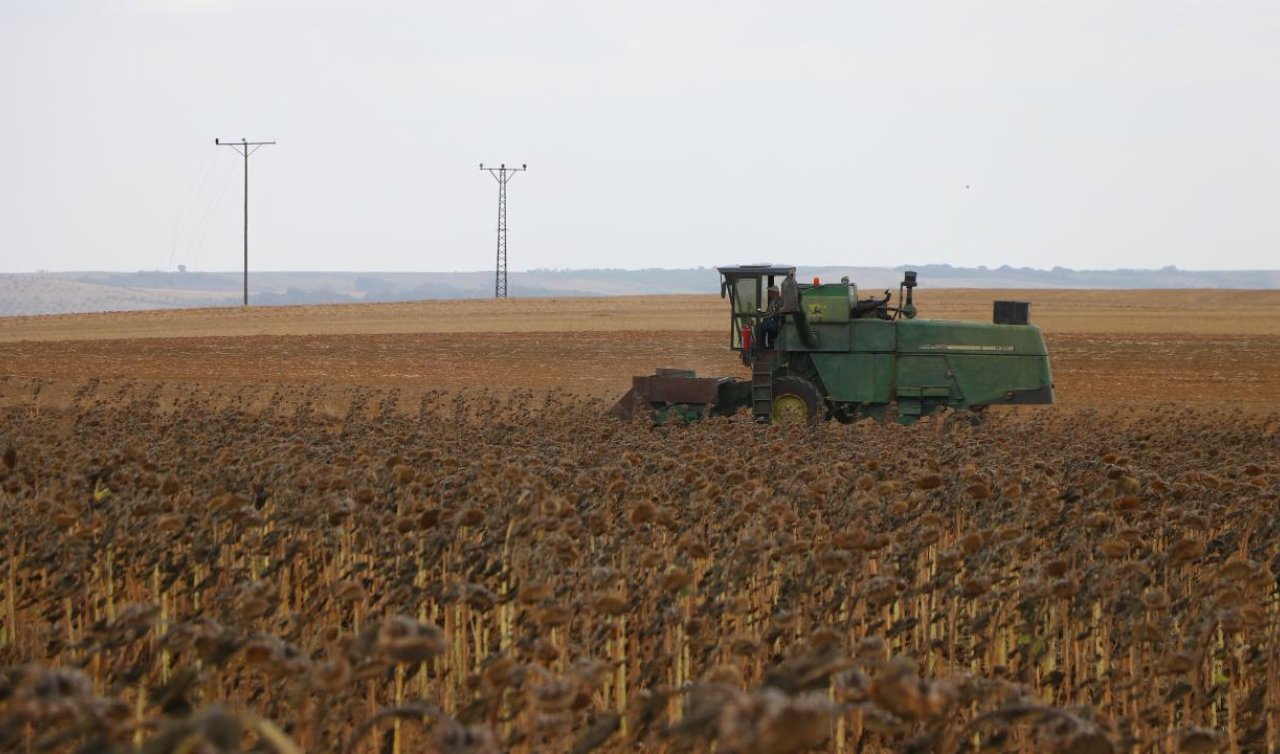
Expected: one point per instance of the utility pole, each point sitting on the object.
(245, 148)
(502, 174)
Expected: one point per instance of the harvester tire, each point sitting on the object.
(796, 401)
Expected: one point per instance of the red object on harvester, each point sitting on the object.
(746, 337)
(815, 280)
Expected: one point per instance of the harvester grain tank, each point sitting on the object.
(822, 352)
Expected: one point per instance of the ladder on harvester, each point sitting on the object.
(762, 385)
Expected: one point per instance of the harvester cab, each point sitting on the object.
(823, 352)
(746, 288)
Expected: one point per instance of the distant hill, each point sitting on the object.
(69, 292)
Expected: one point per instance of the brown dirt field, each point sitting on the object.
(1191, 312)
(1109, 348)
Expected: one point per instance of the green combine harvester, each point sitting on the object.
(820, 352)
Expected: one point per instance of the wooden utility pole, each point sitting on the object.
(245, 148)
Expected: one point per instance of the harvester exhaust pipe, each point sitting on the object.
(906, 304)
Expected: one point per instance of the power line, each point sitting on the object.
(200, 233)
(243, 148)
(502, 174)
(197, 184)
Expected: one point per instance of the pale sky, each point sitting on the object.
(1081, 133)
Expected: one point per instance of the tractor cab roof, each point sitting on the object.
(757, 269)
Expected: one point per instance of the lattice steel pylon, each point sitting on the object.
(502, 174)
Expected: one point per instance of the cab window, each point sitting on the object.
(746, 307)
(746, 298)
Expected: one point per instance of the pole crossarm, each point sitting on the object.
(502, 174)
(242, 142)
(242, 148)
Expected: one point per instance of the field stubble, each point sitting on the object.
(293, 538)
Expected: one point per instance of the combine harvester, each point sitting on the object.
(818, 351)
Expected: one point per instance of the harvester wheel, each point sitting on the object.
(796, 401)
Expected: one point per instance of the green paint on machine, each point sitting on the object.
(839, 356)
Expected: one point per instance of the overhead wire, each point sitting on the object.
(196, 187)
(201, 231)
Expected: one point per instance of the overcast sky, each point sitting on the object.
(1080, 133)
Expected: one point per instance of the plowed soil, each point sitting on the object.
(1108, 349)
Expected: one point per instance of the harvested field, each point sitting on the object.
(1108, 348)
(275, 529)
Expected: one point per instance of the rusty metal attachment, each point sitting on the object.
(680, 390)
